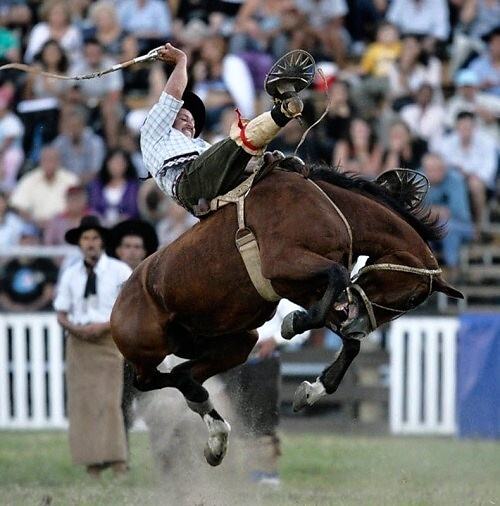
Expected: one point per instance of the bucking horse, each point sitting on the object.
(194, 298)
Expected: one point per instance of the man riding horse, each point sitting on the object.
(186, 167)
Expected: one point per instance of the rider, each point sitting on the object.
(186, 167)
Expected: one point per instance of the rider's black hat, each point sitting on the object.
(90, 222)
(138, 228)
(195, 106)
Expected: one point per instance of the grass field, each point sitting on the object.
(316, 469)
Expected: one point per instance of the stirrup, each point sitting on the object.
(292, 73)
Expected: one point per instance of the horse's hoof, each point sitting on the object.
(287, 326)
(301, 396)
(215, 451)
(307, 394)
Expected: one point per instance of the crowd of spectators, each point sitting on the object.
(413, 83)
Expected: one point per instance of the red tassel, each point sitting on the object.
(243, 135)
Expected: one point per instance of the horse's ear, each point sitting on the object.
(440, 285)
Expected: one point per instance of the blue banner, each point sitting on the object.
(478, 376)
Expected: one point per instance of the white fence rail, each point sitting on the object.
(422, 384)
(32, 387)
(423, 375)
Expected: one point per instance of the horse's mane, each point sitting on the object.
(420, 218)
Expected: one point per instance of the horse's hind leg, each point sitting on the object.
(299, 321)
(221, 354)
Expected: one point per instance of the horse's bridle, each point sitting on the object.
(375, 267)
(386, 267)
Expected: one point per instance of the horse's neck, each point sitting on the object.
(376, 230)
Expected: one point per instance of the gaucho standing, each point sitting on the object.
(86, 293)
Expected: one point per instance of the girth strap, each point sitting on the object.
(245, 239)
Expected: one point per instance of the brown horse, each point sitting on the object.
(194, 297)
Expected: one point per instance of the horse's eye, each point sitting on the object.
(412, 300)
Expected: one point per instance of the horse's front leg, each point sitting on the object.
(299, 321)
(309, 393)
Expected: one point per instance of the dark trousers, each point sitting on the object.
(254, 390)
(216, 171)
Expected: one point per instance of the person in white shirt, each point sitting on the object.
(85, 296)
(254, 389)
(41, 193)
(429, 18)
(474, 153)
(425, 117)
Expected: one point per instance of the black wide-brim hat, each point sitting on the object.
(494, 31)
(196, 107)
(138, 228)
(72, 236)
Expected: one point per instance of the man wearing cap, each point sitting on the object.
(186, 167)
(86, 293)
(470, 98)
(487, 66)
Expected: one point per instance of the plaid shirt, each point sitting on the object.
(167, 151)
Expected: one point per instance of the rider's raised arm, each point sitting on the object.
(160, 119)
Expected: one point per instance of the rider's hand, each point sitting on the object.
(171, 54)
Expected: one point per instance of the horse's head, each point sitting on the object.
(395, 284)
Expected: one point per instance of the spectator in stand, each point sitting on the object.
(149, 20)
(102, 95)
(428, 18)
(403, 150)
(322, 30)
(337, 122)
(175, 221)
(85, 296)
(106, 27)
(449, 201)
(11, 135)
(76, 208)
(81, 150)
(9, 43)
(143, 82)
(222, 79)
(474, 153)
(425, 116)
(27, 282)
(42, 99)
(487, 66)
(258, 28)
(113, 194)
(56, 26)
(469, 97)
(476, 19)
(40, 194)
(413, 68)
(11, 224)
(374, 69)
(360, 152)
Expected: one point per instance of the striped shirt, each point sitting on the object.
(167, 151)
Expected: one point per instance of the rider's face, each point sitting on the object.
(185, 123)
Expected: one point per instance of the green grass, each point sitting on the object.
(315, 469)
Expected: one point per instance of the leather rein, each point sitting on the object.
(355, 287)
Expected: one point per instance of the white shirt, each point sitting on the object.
(165, 149)
(151, 18)
(110, 273)
(11, 127)
(321, 12)
(41, 198)
(426, 124)
(479, 158)
(426, 17)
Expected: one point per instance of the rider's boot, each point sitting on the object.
(290, 74)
